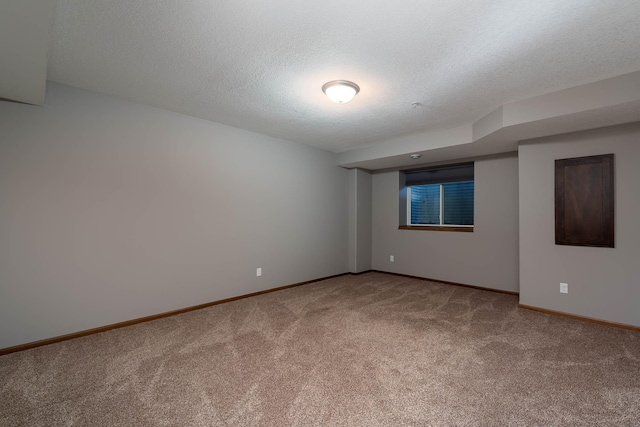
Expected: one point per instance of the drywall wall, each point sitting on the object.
(608, 102)
(112, 211)
(24, 42)
(364, 221)
(359, 221)
(487, 257)
(603, 282)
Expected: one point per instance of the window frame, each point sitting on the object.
(436, 227)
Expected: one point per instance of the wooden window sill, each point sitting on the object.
(436, 228)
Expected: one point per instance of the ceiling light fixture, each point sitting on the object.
(340, 91)
(415, 156)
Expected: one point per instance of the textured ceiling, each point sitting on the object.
(259, 65)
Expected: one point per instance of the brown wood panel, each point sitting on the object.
(584, 209)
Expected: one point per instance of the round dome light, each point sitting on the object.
(340, 91)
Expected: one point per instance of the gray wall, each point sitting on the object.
(112, 211)
(24, 43)
(604, 283)
(487, 257)
(359, 221)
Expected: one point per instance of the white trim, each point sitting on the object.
(408, 205)
(441, 214)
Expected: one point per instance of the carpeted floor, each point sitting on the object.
(368, 350)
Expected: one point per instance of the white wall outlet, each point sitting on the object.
(564, 288)
(259, 271)
(392, 258)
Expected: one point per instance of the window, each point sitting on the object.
(441, 204)
(440, 198)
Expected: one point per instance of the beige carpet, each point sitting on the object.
(365, 350)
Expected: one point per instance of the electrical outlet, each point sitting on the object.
(259, 271)
(564, 288)
(392, 258)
